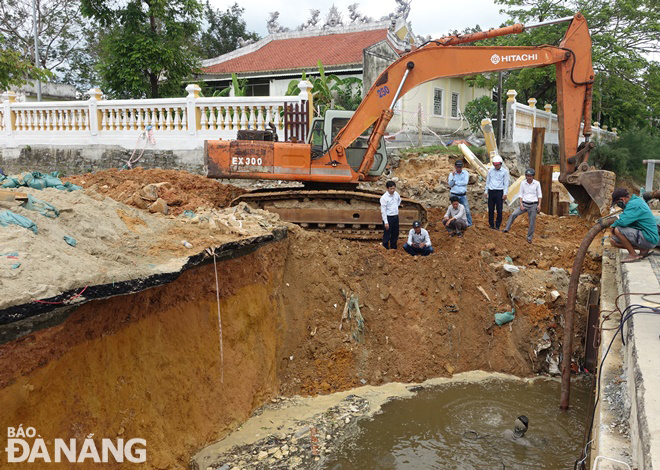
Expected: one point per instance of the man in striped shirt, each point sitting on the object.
(530, 201)
(389, 209)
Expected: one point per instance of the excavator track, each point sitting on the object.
(352, 214)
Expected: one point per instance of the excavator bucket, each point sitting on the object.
(593, 192)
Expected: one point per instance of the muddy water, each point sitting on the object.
(461, 426)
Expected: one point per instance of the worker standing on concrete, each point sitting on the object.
(389, 209)
(458, 181)
(455, 220)
(635, 227)
(497, 185)
(529, 196)
(419, 242)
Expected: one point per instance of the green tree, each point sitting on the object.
(63, 37)
(625, 155)
(345, 93)
(478, 109)
(623, 34)
(224, 30)
(145, 49)
(16, 70)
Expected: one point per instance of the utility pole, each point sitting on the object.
(500, 118)
(36, 45)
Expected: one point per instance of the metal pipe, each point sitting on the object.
(36, 45)
(546, 23)
(409, 66)
(569, 315)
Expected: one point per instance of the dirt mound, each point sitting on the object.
(184, 191)
(427, 316)
(113, 243)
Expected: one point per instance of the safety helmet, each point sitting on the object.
(497, 159)
(416, 224)
(530, 171)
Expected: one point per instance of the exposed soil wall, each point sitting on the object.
(148, 365)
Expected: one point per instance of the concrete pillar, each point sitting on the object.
(95, 116)
(510, 121)
(548, 109)
(306, 94)
(9, 97)
(532, 104)
(194, 113)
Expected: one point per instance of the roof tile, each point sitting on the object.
(287, 54)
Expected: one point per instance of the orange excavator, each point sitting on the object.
(330, 199)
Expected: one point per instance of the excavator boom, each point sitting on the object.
(445, 57)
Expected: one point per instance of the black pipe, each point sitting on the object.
(569, 316)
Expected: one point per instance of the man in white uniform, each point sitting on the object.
(419, 242)
(389, 209)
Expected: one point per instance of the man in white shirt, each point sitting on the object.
(530, 201)
(419, 242)
(455, 220)
(497, 187)
(389, 209)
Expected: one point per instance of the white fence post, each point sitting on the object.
(306, 94)
(8, 97)
(95, 95)
(510, 114)
(532, 104)
(194, 114)
(548, 109)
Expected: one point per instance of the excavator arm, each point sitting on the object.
(447, 58)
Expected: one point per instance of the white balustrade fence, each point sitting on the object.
(176, 123)
(522, 118)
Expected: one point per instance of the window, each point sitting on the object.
(437, 101)
(454, 104)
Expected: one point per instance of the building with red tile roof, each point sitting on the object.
(360, 49)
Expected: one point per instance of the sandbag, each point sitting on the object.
(42, 207)
(52, 181)
(9, 218)
(506, 317)
(10, 182)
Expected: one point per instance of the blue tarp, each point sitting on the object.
(10, 218)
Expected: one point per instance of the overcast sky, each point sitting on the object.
(433, 17)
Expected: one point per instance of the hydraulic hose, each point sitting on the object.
(569, 316)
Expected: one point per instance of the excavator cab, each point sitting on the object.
(323, 132)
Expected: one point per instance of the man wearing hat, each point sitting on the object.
(635, 227)
(419, 242)
(529, 197)
(497, 185)
(458, 181)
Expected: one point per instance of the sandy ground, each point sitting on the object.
(114, 242)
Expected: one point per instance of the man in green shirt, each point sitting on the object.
(635, 227)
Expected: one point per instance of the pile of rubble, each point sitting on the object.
(308, 444)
